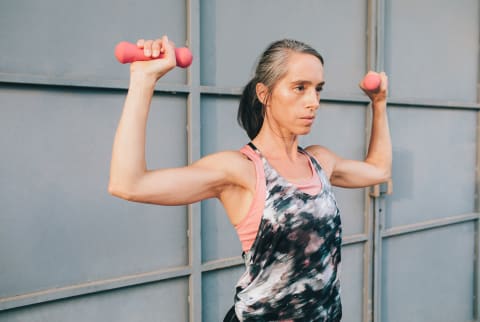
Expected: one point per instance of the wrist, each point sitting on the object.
(379, 103)
(139, 78)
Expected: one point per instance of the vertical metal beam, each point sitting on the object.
(371, 34)
(476, 263)
(194, 153)
(378, 15)
(371, 53)
(379, 225)
(380, 35)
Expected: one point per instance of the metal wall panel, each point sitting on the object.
(431, 49)
(218, 292)
(165, 301)
(428, 276)
(57, 41)
(434, 164)
(54, 174)
(427, 238)
(234, 33)
(351, 275)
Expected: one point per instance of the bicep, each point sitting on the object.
(177, 186)
(356, 174)
(347, 173)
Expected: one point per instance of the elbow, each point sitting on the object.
(123, 187)
(383, 170)
(113, 190)
(386, 174)
(386, 178)
(121, 192)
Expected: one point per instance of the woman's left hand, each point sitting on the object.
(379, 94)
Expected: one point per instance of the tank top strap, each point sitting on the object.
(318, 168)
(254, 148)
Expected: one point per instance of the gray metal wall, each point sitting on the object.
(71, 252)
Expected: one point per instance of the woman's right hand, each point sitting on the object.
(155, 68)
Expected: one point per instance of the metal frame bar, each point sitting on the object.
(369, 228)
(227, 91)
(375, 57)
(69, 291)
(476, 262)
(379, 206)
(194, 153)
(430, 224)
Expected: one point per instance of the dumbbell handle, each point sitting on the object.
(126, 52)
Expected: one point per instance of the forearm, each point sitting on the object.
(380, 146)
(128, 155)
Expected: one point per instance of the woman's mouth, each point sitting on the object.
(308, 119)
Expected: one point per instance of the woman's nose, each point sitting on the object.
(314, 99)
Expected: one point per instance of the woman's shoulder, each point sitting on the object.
(318, 150)
(324, 156)
(228, 157)
(233, 162)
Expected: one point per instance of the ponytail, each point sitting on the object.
(250, 110)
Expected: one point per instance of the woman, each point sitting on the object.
(276, 194)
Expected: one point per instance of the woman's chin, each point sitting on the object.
(304, 131)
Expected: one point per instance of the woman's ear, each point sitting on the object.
(262, 92)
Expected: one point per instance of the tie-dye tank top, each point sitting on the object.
(292, 267)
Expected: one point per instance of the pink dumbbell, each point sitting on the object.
(371, 82)
(126, 52)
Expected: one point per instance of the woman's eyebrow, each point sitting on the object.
(300, 81)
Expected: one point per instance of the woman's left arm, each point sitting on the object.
(377, 166)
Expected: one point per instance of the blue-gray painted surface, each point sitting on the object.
(71, 252)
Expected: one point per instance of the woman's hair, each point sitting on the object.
(271, 67)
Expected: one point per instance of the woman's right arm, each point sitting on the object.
(129, 177)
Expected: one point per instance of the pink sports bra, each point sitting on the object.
(247, 229)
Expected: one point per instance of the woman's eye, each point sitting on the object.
(319, 89)
(299, 88)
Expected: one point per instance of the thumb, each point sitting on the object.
(168, 50)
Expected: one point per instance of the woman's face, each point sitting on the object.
(295, 98)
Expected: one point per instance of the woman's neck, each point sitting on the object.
(274, 146)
